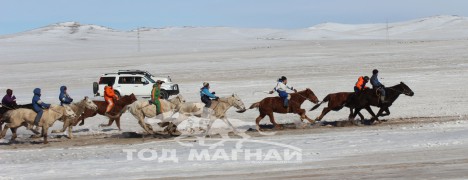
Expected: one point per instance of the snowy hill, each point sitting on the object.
(72, 40)
(436, 27)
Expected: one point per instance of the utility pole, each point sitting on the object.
(138, 38)
(388, 38)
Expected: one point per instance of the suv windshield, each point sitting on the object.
(149, 79)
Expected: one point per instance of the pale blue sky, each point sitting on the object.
(22, 15)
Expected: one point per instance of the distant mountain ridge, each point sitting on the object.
(435, 27)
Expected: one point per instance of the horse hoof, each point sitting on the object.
(46, 142)
(35, 136)
(279, 127)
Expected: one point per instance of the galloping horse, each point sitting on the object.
(336, 102)
(275, 104)
(370, 98)
(78, 108)
(143, 108)
(119, 108)
(25, 117)
(217, 110)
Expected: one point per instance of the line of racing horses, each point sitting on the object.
(23, 115)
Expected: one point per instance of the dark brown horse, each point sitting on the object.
(336, 102)
(275, 104)
(117, 111)
(369, 98)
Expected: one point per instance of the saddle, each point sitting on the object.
(377, 92)
(214, 104)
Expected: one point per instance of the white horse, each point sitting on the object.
(216, 111)
(142, 109)
(24, 117)
(78, 108)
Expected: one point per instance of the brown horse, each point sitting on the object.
(275, 104)
(336, 102)
(119, 108)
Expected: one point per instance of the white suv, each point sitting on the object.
(137, 82)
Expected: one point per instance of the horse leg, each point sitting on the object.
(117, 122)
(374, 117)
(259, 118)
(353, 115)
(272, 120)
(324, 112)
(13, 136)
(82, 121)
(212, 120)
(386, 110)
(4, 131)
(45, 128)
(141, 121)
(66, 123)
(304, 116)
(109, 123)
(70, 132)
(229, 124)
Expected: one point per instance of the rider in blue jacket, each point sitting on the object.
(38, 105)
(64, 97)
(376, 85)
(206, 95)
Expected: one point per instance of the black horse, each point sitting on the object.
(369, 97)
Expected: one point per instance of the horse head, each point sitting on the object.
(127, 99)
(179, 99)
(132, 98)
(237, 103)
(405, 89)
(310, 95)
(89, 104)
(68, 112)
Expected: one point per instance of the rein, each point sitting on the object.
(61, 113)
(10, 108)
(396, 90)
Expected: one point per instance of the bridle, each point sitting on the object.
(307, 98)
(405, 90)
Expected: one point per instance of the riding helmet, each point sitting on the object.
(375, 71)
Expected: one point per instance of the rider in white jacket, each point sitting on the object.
(281, 88)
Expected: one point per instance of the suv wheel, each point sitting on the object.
(164, 94)
(95, 88)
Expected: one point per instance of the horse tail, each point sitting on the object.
(255, 105)
(326, 99)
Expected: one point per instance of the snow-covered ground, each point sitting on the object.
(428, 54)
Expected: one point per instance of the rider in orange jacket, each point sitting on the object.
(109, 97)
(361, 84)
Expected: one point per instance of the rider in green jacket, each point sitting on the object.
(155, 96)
